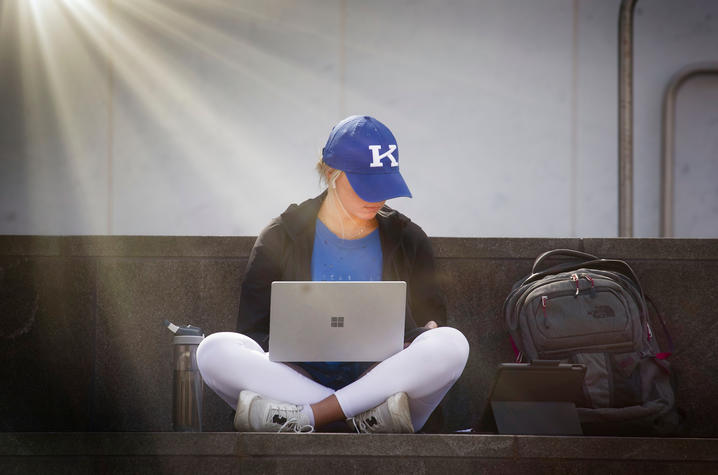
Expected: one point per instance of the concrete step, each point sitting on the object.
(229, 452)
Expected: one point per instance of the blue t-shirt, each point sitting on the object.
(334, 258)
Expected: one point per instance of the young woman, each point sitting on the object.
(346, 233)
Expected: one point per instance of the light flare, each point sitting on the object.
(130, 58)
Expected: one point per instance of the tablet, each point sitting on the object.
(535, 398)
(539, 381)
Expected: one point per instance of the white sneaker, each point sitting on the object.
(392, 417)
(258, 414)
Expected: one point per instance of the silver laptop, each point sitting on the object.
(336, 321)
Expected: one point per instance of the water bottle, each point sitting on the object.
(187, 381)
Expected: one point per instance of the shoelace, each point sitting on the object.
(356, 428)
(292, 426)
(362, 427)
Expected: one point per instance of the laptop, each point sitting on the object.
(336, 321)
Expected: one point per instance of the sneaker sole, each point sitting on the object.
(398, 406)
(241, 418)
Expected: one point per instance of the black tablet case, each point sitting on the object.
(538, 398)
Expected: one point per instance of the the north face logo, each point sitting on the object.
(602, 311)
(377, 157)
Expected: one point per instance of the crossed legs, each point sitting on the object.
(425, 370)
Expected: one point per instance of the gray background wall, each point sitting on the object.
(206, 117)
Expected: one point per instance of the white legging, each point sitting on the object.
(426, 370)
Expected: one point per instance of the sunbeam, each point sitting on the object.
(132, 58)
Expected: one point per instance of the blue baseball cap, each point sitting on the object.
(366, 150)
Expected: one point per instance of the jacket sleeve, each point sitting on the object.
(427, 299)
(263, 267)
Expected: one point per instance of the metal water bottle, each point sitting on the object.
(187, 381)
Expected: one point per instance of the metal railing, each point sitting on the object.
(625, 118)
(668, 126)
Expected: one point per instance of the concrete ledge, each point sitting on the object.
(81, 322)
(444, 247)
(33, 444)
(126, 246)
(226, 452)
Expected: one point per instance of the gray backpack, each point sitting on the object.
(593, 311)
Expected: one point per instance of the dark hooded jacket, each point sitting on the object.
(283, 251)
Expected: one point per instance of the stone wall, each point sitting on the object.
(83, 347)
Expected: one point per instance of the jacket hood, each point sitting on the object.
(301, 218)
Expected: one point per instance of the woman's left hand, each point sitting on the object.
(431, 324)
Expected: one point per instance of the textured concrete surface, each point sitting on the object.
(134, 352)
(83, 348)
(47, 343)
(351, 465)
(350, 453)
(158, 246)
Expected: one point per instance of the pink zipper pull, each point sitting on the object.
(588, 278)
(574, 277)
(544, 299)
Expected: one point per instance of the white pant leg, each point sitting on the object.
(231, 362)
(425, 370)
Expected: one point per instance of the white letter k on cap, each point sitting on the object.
(377, 157)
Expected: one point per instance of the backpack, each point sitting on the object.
(593, 311)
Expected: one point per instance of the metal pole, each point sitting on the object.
(668, 138)
(625, 119)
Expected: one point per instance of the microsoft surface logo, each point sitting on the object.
(337, 322)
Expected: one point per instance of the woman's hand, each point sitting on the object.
(429, 325)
